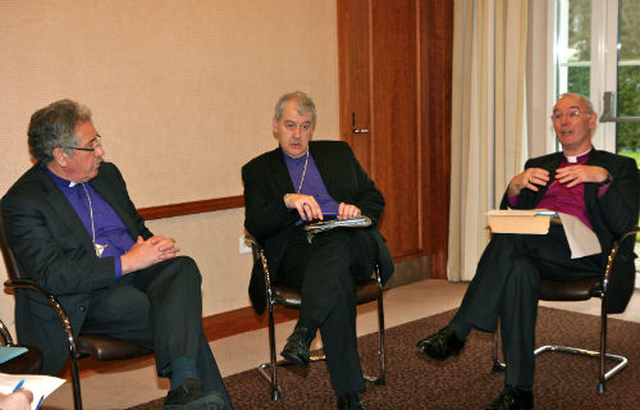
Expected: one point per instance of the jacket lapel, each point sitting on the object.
(327, 168)
(279, 172)
(63, 208)
(108, 191)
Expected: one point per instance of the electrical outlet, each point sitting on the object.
(244, 248)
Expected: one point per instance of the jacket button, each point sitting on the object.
(82, 308)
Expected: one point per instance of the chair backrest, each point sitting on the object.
(9, 260)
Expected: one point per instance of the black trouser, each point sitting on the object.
(506, 286)
(160, 308)
(327, 271)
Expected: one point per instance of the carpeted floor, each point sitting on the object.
(465, 382)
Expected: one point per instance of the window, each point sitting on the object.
(600, 58)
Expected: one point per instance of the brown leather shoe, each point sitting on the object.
(441, 345)
(512, 398)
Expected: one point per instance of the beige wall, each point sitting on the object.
(182, 92)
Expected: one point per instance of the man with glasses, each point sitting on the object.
(601, 190)
(73, 229)
(298, 182)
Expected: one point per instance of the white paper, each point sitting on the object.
(582, 240)
(41, 386)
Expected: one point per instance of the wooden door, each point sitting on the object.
(389, 69)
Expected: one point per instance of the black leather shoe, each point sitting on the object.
(350, 402)
(296, 350)
(441, 345)
(192, 397)
(512, 398)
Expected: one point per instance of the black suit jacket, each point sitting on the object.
(611, 216)
(266, 181)
(53, 248)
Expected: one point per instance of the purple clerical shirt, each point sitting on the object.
(109, 228)
(312, 184)
(560, 198)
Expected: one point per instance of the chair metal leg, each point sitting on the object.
(381, 379)
(602, 376)
(498, 366)
(75, 377)
(268, 370)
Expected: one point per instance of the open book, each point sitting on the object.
(582, 240)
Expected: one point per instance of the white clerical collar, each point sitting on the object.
(573, 159)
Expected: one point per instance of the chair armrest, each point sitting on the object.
(6, 336)
(258, 254)
(376, 273)
(614, 251)
(53, 301)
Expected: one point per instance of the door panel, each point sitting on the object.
(393, 56)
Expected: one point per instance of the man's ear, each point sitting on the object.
(275, 125)
(593, 120)
(60, 156)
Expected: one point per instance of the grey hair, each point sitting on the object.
(54, 126)
(587, 102)
(304, 105)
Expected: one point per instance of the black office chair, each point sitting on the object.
(582, 289)
(290, 298)
(99, 347)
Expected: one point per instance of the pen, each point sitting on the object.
(39, 402)
(19, 386)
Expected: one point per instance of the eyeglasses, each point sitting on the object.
(95, 144)
(572, 114)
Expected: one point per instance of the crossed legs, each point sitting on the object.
(159, 308)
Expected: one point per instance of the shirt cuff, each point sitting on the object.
(118, 264)
(603, 189)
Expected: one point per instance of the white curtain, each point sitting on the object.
(499, 93)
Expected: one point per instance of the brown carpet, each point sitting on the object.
(465, 382)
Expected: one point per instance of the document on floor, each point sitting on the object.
(41, 386)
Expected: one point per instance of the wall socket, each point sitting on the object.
(244, 248)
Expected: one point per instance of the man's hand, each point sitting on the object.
(20, 400)
(347, 211)
(147, 253)
(530, 178)
(306, 205)
(579, 174)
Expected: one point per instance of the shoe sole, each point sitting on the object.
(294, 359)
(208, 402)
(211, 402)
(438, 357)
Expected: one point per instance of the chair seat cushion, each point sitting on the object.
(290, 297)
(580, 289)
(102, 347)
